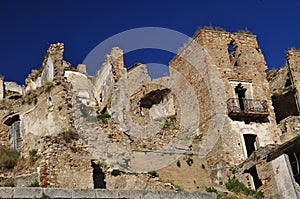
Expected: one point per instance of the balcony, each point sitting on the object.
(241, 109)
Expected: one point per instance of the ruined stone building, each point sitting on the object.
(217, 116)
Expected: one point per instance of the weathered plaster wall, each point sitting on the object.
(103, 83)
(284, 178)
(48, 72)
(1, 88)
(13, 87)
(82, 87)
(49, 116)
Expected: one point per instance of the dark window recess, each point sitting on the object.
(250, 142)
(98, 176)
(285, 105)
(154, 97)
(294, 157)
(288, 83)
(253, 172)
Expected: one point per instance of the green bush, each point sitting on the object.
(104, 117)
(177, 187)
(116, 172)
(169, 124)
(211, 190)
(190, 161)
(44, 196)
(9, 184)
(34, 184)
(8, 158)
(33, 154)
(236, 186)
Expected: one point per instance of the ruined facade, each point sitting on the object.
(217, 116)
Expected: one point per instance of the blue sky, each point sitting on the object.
(28, 27)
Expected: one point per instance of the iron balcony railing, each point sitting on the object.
(247, 107)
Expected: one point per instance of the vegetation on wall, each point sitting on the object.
(104, 117)
(8, 158)
(237, 187)
(69, 136)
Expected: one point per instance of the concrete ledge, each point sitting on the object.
(84, 193)
(6, 192)
(28, 192)
(58, 193)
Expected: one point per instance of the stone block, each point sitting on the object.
(58, 193)
(6, 192)
(84, 193)
(106, 193)
(28, 192)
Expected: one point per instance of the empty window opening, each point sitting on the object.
(241, 95)
(253, 172)
(14, 131)
(233, 55)
(231, 48)
(154, 97)
(294, 157)
(250, 143)
(98, 176)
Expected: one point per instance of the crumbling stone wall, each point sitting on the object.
(52, 66)
(293, 61)
(12, 87)
(103, 82)
(290, 128)
(249, 70)
(82, 87)
(65, 163)
(123, 120)
(1, 88)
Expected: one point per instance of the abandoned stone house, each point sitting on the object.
(217, 115)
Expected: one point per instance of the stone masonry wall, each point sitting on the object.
(176, 125)
(293, 61)
(248, 69)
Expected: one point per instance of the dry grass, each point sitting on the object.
(8, 158)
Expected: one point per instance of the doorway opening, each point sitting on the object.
(250, 143)
(253, 172)
(98, 176)
(241, 95)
